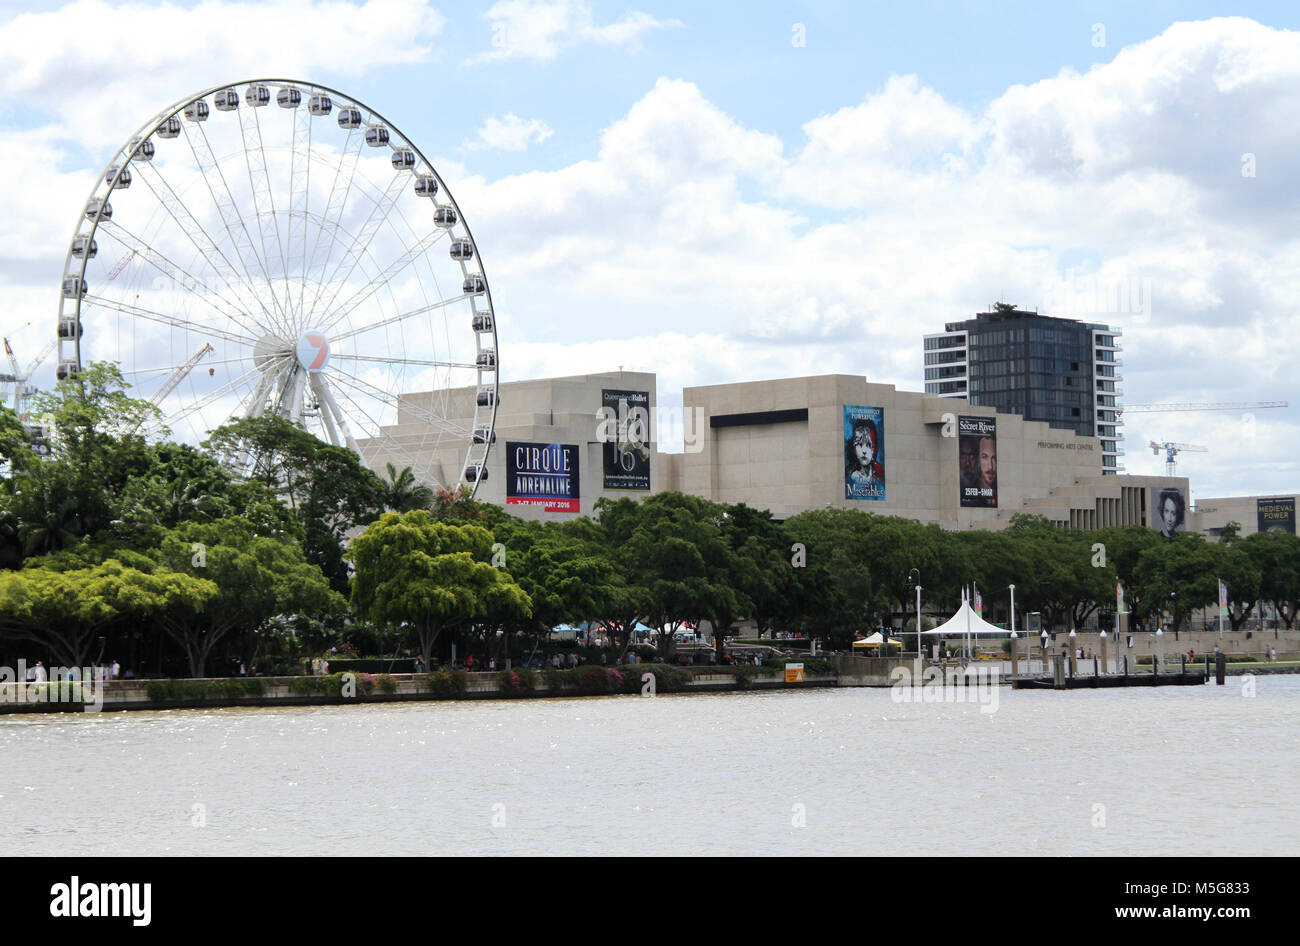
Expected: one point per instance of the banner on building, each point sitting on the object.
(1168, 510)
(627, 453)
(864, 452)
(977, 443)
(543, 474)
(1276, 515)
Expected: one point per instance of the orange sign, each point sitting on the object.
(794, 673)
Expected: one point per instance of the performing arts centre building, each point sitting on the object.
(804, 443)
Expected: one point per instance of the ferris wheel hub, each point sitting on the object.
(313, 351)
(268, 348)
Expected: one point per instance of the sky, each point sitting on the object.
(731, 192)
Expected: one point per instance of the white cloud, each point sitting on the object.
(510, 133)
(94, 65)
(541, 29)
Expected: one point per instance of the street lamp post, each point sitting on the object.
(917, 582)
(1013, 633)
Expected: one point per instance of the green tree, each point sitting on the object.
(1178, 575)
(256, 578)
(327, 488)
(412, 569)
(402, 493)
(1277, 557)
(64, 610)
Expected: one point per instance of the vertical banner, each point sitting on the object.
(1168, 510)
(543, 474)
(864, 452)
(977, 444)
(1119, 597)
(1223, 600)
(1276, 515)
(627, 454)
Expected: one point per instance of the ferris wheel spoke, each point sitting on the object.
(172, 369)
(379, 212)
(299, 188)
(197, 235)
(200, 329)
(231, 217)
(192, 284)
(423, 363)
(397, 401)
(250, 129)
(330, 220)
(412, 313)
(333, 317)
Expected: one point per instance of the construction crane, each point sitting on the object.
(120, 265)
(1213, 406)
(1172, 450)
(170, 385)
(19, 378)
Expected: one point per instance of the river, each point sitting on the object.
(1174, 770)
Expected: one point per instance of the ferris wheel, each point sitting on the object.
(277, 247)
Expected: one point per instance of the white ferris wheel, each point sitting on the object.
(277, 247)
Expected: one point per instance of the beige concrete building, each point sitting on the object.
(781, 445)
(1250, 512)
(562, 412)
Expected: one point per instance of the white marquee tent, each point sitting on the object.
(967, 623)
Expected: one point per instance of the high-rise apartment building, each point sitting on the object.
(1060, 371)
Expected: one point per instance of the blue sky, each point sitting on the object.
(684, 188)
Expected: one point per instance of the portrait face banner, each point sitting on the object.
(977, 446)
(1276, 515)
(864, 452)
(1168, 510)
(543, 474)
(627, 456)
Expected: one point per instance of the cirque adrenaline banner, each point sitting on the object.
(627, 456)
(864, 452)
(977, 445)
(1276, 515)
(543, 474)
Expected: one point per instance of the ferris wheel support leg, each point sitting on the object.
(296, 395)
(327, 398)
(326, 415)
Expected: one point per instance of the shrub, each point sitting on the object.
(592, 679)
(447, 684)
(386, 683)
(519, 681)
(667, 679)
